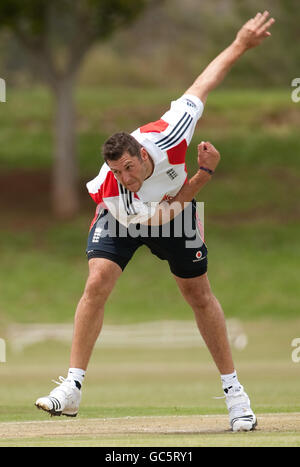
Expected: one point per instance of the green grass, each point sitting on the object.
(139, 382)
(249, 126)
(144, 382)
(252, 267)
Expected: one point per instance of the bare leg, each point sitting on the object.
(210, 319)
(103, 275)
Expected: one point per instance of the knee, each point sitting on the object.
(97, 289)
(200, 300)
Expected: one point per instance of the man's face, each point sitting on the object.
(129, 170)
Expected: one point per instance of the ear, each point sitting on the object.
(144, 154)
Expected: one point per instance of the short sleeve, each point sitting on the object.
(95, 186)
(186, 103)
(176, 126)
(182, 118)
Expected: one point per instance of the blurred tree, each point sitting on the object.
(279, 65)
(172, 42)
(57, 34)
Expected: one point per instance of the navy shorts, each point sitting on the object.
(179, 242)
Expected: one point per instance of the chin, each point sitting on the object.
(133, 189)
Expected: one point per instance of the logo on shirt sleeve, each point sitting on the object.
(190, 103)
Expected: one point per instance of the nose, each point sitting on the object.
(126, 179)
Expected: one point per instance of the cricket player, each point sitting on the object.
(141, 191)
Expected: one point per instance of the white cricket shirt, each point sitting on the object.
(166, 141)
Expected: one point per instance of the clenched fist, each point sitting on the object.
(208, 156)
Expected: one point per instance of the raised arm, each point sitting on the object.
(249, 36)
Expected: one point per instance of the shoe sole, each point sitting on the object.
(53, 412)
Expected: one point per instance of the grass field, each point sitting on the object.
(253, 268)
(252, 219)
(153, 397)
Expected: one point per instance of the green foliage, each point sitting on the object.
(56, 35)
(34, 16)
(31, 13)
(171, 41)
(274, 63)
(112, 14)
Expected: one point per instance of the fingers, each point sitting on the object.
(267, 34)
(260, 18)
(208, 155)
(257, 16)
(260, 24)
(266, 26)
(206, 146)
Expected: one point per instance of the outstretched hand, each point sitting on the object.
(255, 31)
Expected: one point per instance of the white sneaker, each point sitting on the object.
(241, 416)
(63, 400)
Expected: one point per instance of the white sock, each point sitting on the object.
(76, 374)
(230, 380)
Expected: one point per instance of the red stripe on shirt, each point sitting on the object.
(154, 127)
(110, 186)
(107, 189)
(176, 155)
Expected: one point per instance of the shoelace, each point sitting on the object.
(234, 394)
(226, 395)
(60, 384)
(61, 379)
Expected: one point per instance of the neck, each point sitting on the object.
(149, 167)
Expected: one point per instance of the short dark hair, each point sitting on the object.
(119, 143)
